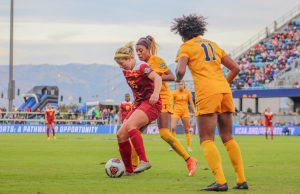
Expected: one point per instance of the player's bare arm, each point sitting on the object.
(181, 68)
(168, 77)
(157, 87)
(232, 66)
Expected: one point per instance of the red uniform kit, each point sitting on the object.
(50, 116)
(268, 119)
(125, 109)
(142, 88)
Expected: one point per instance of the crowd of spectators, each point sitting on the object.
(269, 58)
(71, 114)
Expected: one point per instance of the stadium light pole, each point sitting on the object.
(11, 82)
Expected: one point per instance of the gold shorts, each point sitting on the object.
(167, 108)
(181, 114)
(216, 103)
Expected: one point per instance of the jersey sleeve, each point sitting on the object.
(183, 52)
(163, 67)
(145, 69)
(219, 50)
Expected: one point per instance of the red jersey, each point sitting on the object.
(139, 82)
(50, 115)
(268, 118)
(125, 109)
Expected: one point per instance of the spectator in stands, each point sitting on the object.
(271, 57)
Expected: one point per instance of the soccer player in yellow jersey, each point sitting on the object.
(214, 102)
(146, 49)
(182, 97)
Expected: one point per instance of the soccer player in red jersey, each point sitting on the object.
(268, 122)
(125, 107)
(50, 117)
(145, 85)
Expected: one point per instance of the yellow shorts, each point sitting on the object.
(216, 103)
(167, 108)
(181, 114)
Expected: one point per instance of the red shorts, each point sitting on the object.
(152, 111)
(50, 122)
(268, 124)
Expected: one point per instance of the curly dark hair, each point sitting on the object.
(189, 26)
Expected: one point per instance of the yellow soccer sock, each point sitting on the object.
(188, 139)
(134, 156)
(213, 159)
(173, 142)
(236, 158)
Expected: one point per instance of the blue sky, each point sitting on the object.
(89, 31)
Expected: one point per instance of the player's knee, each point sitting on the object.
(121, 134)
(225, 138)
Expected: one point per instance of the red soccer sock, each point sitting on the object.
(53, 131)
(272, 134)
(125, 151)
(48, 130)
(138, 144)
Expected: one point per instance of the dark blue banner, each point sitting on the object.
(85, 129)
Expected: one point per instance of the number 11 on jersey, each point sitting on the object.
(207, 57)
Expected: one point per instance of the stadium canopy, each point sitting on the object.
(293, 93)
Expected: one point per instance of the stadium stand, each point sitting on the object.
(271, 58)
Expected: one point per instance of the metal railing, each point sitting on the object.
(60, 118)
(268, 30)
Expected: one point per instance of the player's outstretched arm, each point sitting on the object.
(157, 87)
(168, 77)
(181, 68)
(232, 66)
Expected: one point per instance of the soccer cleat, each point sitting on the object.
(191, 165)
(216, 187)
(243, 185)
(142, 167)
(54, 137)
(189, 149)
(170, 149)
(129, 174)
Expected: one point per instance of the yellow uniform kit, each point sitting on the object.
(160, 67)
(181, 100)
(212, 90)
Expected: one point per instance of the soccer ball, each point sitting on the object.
(114, 168)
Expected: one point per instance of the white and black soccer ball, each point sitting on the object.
(114, 168)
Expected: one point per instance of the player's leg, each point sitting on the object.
(272, 132)
(266, 133)
(207, 124)
(125, 148)
(186, 126)
(207, 117)
(164, 131)
(233, 149)
(174, 122)
(134, 156)
(136, 121)
(53, 130)
(48, 130)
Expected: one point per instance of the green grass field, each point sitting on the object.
(75, 164)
